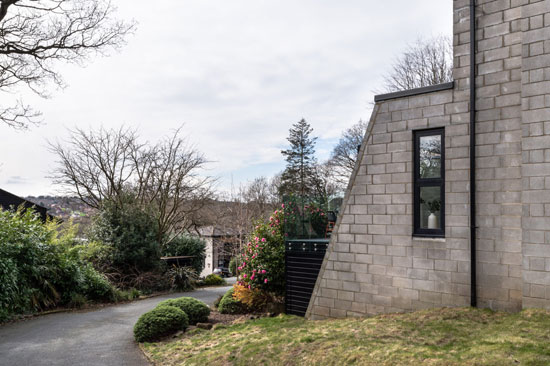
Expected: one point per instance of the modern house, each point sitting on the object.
(449, 202)
(10, 201)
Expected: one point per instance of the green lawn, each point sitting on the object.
(461, 336)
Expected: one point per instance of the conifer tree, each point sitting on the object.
(299, 173)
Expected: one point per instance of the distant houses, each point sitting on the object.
(10, 201)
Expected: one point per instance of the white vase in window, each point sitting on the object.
(432, 221)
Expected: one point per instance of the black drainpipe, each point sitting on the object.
(473, 294)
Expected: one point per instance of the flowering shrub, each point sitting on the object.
(263, 260)
(253, 298)
(230, 305)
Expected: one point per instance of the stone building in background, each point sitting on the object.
(402, 241)
(221, 246)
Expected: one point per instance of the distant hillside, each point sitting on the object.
(227, 215)
(65, 208)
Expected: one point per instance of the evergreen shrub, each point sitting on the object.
(229, 305)
(213, 280)
(160, 322)
(196, 310)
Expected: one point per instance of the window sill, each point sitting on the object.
(440, 239)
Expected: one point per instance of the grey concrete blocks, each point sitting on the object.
(374, 264)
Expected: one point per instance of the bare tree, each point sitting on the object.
(275, 184)
(343, 156)
(324, 184)
(260, 197)
(35, 35)
(172, 184)
(106, 165)
(237, 217)
(250, 202)
(424, 63)
(243, 206)
(98, 165)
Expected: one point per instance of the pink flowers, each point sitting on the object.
(256, 258)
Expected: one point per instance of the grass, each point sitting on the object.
(447, 337)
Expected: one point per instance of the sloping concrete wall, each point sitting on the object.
(374, 264)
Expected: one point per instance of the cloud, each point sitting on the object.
(16, 180)
(237, 74)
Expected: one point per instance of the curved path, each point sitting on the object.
(102, 337)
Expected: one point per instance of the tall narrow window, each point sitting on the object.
(429, 183)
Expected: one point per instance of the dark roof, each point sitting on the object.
(10, 201)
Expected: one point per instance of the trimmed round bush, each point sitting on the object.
(160, 322)
(213, 280)
(230, 305)
(196, 310)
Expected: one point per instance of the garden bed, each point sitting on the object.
(462, 336)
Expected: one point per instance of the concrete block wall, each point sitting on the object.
(499, 154)
(535, 97)
(374, 264)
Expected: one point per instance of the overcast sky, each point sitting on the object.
(237, 74)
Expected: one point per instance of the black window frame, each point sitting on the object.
(418, 183)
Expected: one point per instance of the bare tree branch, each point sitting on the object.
(107, 165)
(37, 35)
(424, 63)
(343, 156)
(238, 211)
(4, 5)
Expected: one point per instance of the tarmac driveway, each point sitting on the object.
(102, 337)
